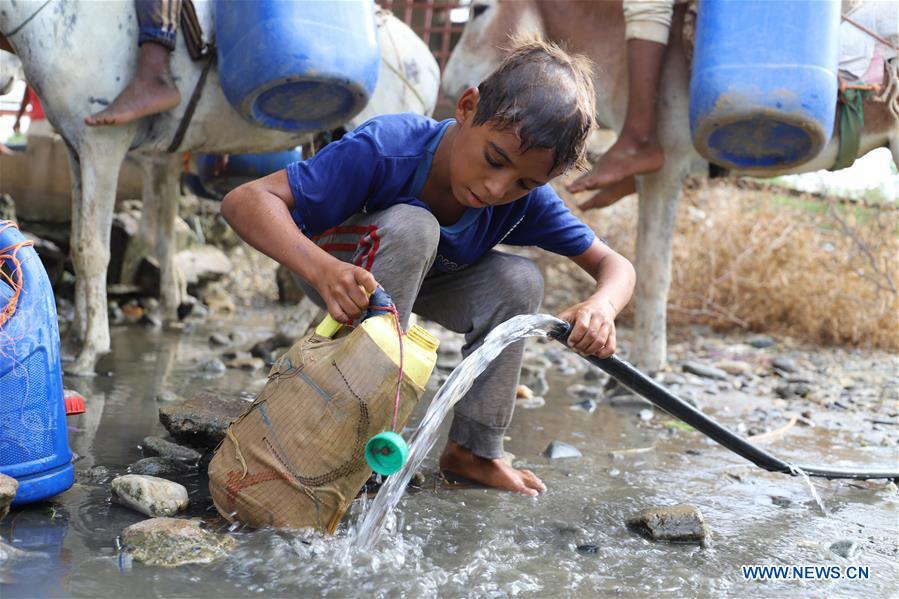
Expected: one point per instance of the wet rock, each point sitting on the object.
(213, 366)
(155, 446)
(784, 364)
(588, 405)
(845, 548)
(594, 374)
(803, 379)
(671, 378)
(93, 476)
(157, 466)
(523, 392)
(149, 495)
(202, 420)
(646, 415)
(677, 523)
(709, 372)
(791, 390)
(584, 392)
(535, 378)
(8, 488)
(150, 320)
(166, 397)
(587, 549)
(203, 264)
(558, 450)
(246, 363)
(264, 349)
(173, 542)
(734, 367)
(531, 404)
(760, 341)
(219, 339)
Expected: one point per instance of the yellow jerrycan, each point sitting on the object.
(297, 457)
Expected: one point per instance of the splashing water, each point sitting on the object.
(455, 387)
(797, 470)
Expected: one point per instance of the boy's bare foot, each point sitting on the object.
(628, 156)
(151, 91)
(611, 194)
(493, 473)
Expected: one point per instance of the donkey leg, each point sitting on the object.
(163, 200)
(659, 196)
(100, 160)
(78, 329)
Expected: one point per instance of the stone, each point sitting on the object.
(203, 264)
(531, 404)
(149, 495)
(166, 397)
(173, 542)
(535, 378)
(579, 391)
(845, 548)
(734, 367)
(155, 446)
(671, 378)
(588, 405)
(784, 364)
(587, 549)
(709, 372)
(263, 349)
(213, 366)
(219, 339)
(157, 466)
(246, 363)
(681, 523)
(202, 420)
(523, 392)
(8, 488)
(760, 341)
(646, 415)
(8, 552)
(558, 450)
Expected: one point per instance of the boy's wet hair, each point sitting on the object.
(546, 95)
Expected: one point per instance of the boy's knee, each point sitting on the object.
(520, 283)
(413, 227)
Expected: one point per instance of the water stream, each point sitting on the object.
(425, 436)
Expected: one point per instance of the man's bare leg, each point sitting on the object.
(151, 91)
(637, 149)
(493, 473)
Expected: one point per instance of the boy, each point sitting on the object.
(417, 206)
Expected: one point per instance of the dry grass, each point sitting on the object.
(760, 260)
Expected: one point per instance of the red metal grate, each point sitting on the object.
(430, 19)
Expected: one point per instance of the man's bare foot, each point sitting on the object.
(611, 194)
(151, 91)
(627, 157)
(493, 473)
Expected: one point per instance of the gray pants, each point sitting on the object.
(398, 246)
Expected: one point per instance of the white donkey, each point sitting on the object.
(78, 55)
(596, 29)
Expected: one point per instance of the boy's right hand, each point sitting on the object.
(345, 289)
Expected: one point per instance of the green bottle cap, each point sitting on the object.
(386, 453)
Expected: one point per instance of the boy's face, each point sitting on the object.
(487, 168)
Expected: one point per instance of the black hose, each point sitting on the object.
(642, 385)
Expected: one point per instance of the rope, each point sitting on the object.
(396, 54)
(14, 280)
(879, 38)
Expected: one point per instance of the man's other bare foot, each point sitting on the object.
(627, 157)
(611, 194)
(151, 91)
(493, 473)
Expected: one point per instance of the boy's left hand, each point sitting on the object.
(592, 327)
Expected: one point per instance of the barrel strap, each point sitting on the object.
(192, 105)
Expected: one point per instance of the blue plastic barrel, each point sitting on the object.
(241, 168)
(306, 65)
(763, 91)
(34, 447)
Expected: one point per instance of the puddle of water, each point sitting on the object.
(470, 541)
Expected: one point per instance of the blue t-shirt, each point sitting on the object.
(386, 161)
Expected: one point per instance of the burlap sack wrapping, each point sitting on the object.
(295, 458)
